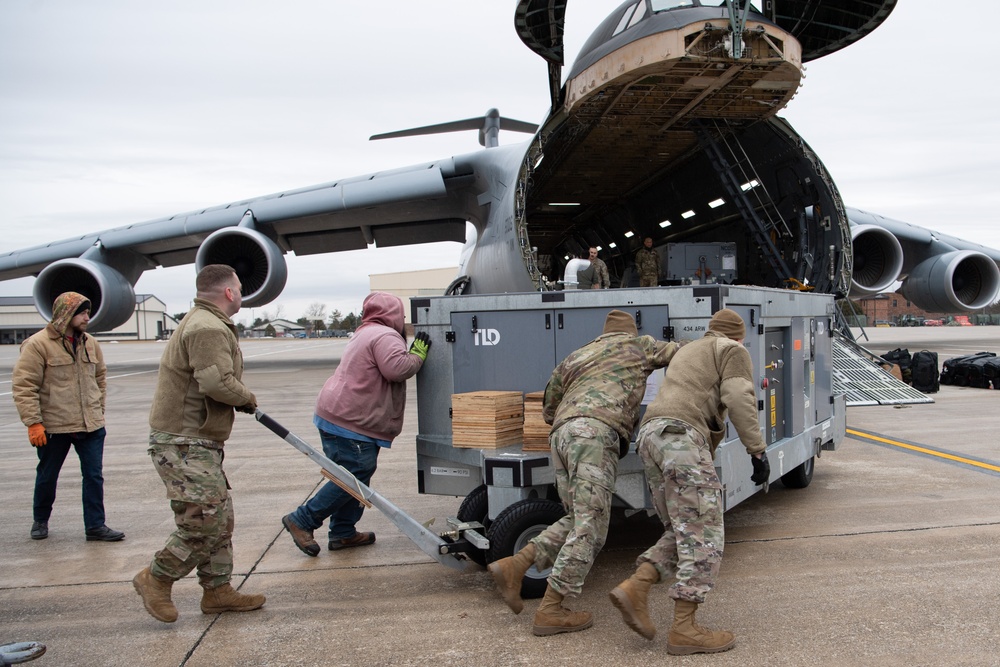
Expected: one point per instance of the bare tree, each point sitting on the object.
(316, 311)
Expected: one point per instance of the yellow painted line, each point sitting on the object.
(924, 450)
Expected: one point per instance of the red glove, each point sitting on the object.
(36, 435)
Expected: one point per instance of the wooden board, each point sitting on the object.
(487, 419)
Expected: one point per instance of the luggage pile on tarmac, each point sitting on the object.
(920, 370)
(980, 370)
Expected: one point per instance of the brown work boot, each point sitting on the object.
(552, 618)
(688, 637)
(155, 595)
(630, 599)
(303, 538)
(226, 598)
(508, 573)
(358, 540)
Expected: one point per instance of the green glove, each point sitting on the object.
(421, 345)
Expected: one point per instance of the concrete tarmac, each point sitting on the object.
(888, 558)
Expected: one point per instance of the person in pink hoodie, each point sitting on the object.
(358, 412)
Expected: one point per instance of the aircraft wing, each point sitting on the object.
(419, 204)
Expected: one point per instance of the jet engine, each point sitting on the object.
(878, 260)
(112, 298)
(257, 260)
(953, 282)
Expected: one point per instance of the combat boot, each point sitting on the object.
(155, 595)
(687, 637)
(508, 573)
(226, 598)
(552, 618)
(630, 599)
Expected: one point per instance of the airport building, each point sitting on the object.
(19, 319)
(410, 284)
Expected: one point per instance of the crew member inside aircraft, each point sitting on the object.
(647, 264)
(358, 412)
(586, 275)
(59, 386)
(601, 279)
(592, 402)
(677, 441)
(198, 387)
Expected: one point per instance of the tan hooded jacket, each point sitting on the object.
(706, 379)
(200, 380)
(54, 384)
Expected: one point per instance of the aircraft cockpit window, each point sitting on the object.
(664, 5)
(640, 14)
(626, 17)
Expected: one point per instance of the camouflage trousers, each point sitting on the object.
(648, 280)
(585, 458)
(687, 496)
(203, 512)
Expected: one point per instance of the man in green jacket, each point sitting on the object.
(198, 387)
(677, 441)
(592, 402)
(59, 386)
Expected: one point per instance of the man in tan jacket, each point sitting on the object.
(677, 439)
(199, 385)
(59, 388)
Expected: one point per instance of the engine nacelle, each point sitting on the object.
(954, 282)
(112, 298)
(878, 260)
(257, 260)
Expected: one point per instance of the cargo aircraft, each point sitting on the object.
(665, 127)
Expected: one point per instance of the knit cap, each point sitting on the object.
(728, 323)
(620, 322)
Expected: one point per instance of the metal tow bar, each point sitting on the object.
(433, 545)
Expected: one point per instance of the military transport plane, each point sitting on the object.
(666, 127)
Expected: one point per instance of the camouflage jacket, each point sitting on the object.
(601, 278)
(647, 262)
(605, 380)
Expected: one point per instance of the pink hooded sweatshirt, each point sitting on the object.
(367, 392)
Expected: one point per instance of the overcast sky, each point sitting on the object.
(114, 112)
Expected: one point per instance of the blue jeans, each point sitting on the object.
(332, 502)
(90, 449)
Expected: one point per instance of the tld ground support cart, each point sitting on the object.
(513, 342)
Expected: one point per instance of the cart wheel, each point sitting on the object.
(800, 477)
(476, 507)
(514, 527)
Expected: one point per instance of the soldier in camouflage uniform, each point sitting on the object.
(601, 278)
(592, 402)
(199, 384)
(647, 264)
(677, 441)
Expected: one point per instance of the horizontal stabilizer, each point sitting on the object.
(488, 126)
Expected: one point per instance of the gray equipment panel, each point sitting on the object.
(513, 341)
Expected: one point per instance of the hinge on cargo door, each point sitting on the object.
(668, 333)
(449, 336)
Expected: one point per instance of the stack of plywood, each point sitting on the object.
(487, 419)
(536, 431)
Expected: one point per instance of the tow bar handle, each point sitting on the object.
(428, 542)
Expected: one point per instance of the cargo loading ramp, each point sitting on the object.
(864, 382)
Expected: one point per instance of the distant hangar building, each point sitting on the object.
(19, 320)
